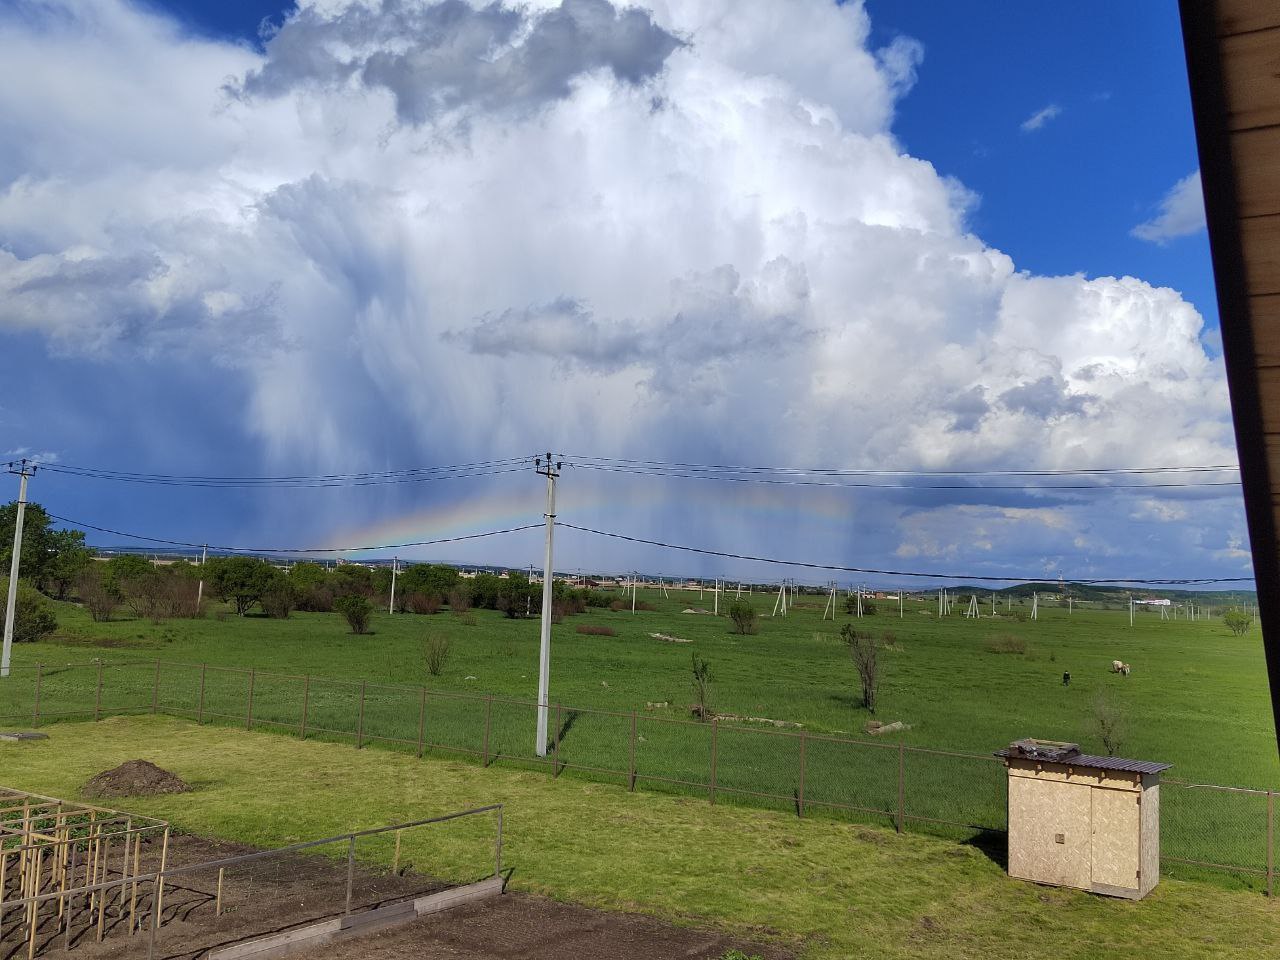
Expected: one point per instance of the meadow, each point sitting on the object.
(1197, 696)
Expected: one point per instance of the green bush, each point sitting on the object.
(743, 616)
(33, 616)
(357, 611)
(1238, 621)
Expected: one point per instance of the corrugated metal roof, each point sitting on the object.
(1093, 762)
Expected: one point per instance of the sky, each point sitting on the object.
(247, 239)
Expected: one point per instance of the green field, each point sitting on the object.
(1197, 698)
(827, 889)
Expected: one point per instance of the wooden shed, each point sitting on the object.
(1083, 821)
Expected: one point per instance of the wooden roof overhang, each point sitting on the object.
(1233, 63)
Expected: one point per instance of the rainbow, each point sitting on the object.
(630, 506)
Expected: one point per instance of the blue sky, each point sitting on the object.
(798, 235)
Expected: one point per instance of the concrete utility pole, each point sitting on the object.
(395, 564)
(24, 468)
(551, 472)
(204, 556)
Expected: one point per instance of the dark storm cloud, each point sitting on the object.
(1044, 398)
(440, 57)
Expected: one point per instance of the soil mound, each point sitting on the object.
(134, 778)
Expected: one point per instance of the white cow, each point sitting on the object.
(1118, 666)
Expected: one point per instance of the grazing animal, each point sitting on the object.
(1119, 667)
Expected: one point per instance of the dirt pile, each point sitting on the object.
(134, 778)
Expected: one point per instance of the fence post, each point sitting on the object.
(631, 755)
(488, 711)
(422, 719)
(715, 731)
(360, 718)
(306, 702)
(800, 790)
(35, 709)
(155, 690)
(351, 871)
(1270, 839)
(497, 846)
(204, 668)
(248, 720)
(555, 757)
(97, 697)
(902, 760)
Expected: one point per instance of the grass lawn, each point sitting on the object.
(829, 889)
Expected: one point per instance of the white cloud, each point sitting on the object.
(696, 236)
(1181, 213)
(1040, 118)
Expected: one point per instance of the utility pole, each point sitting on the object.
(24, 468)
(204, 556)
(395, 564)
(551, 472)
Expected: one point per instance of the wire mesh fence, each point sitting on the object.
(1204, 826)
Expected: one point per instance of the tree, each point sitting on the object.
(516, 595)
(865, 653)
(50, 558)
(701, 688)
(1109, 722)
(1238, 621)
(356, 610)
(436, 578)
(241, 580)
(68, 558)
(33, 616)
(279, 599)
(743, 616)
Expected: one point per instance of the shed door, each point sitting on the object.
(1115, 838)
(1049, 831)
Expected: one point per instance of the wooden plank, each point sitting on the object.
(1269, 402)
(1242, 16)
(1264, 313)
(279, 944)
(1251, 79)
(1260, 239)
(1256, 156)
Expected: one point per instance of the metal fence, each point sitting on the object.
(1204, 826)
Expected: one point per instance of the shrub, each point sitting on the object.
(279, 601)
(33, 616)
(701, 688)
(357, 612)
(314, 599)
(1006, 643)
(619, 605)
(743, 616)
(460, 599)
(595, 631)
(97, 593)
(1238, 621)
(423, 603)
(1109, 722)
(435, 654)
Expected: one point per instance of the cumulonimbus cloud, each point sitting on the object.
(678, 220)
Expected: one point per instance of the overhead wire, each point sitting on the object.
(894, 573)
(308, 550)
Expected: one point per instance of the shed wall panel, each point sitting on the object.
(1041, 811)
(1149, 849)
(1114, 845)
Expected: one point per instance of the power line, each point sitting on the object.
(874, 485)
(229, 549)
(842, 471)
(895, 573)
(411, 475)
